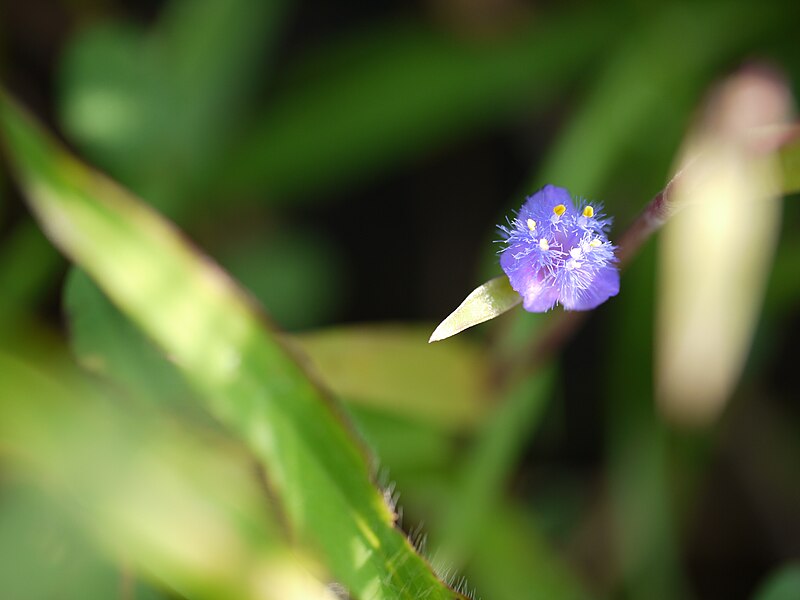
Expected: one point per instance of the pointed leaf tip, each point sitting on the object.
(486, 302)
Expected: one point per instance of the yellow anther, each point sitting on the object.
(531, 224)
(588, 212)
(595, 243)
(560, 210)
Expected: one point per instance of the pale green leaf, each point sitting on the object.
(389, 368)
(708, 309)
(488, 301)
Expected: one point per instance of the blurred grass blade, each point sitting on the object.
(784, 584)
(32, 525)
(385, 368)
(381, 368)
(648, 66)
(513, 555)
(245, 375)
(487, 468)
(410, 433)
(717, 252)
(180, 507)
(355, 106)
(485, 302)
(641, 494)
(181, 86)
(27, 263)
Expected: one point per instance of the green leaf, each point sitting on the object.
(789, 157)
(487, 301)
(411, 427)
(32, 565)
(513, 555)
(176, 505)
(226, 349)
(390, 369)
(386, 370)
(640, 489)
(410, 450)
(491, 461)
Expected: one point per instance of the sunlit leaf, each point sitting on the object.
(485, 302)
(233, 360)
(108, 344)
(408, 425)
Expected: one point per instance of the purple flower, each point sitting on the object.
(557, 253)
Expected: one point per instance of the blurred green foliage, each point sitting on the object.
(783, 585)
(237, 365)
(135, 468)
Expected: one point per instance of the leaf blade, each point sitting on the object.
(246, 376)
(485, 302)
(388, 368)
